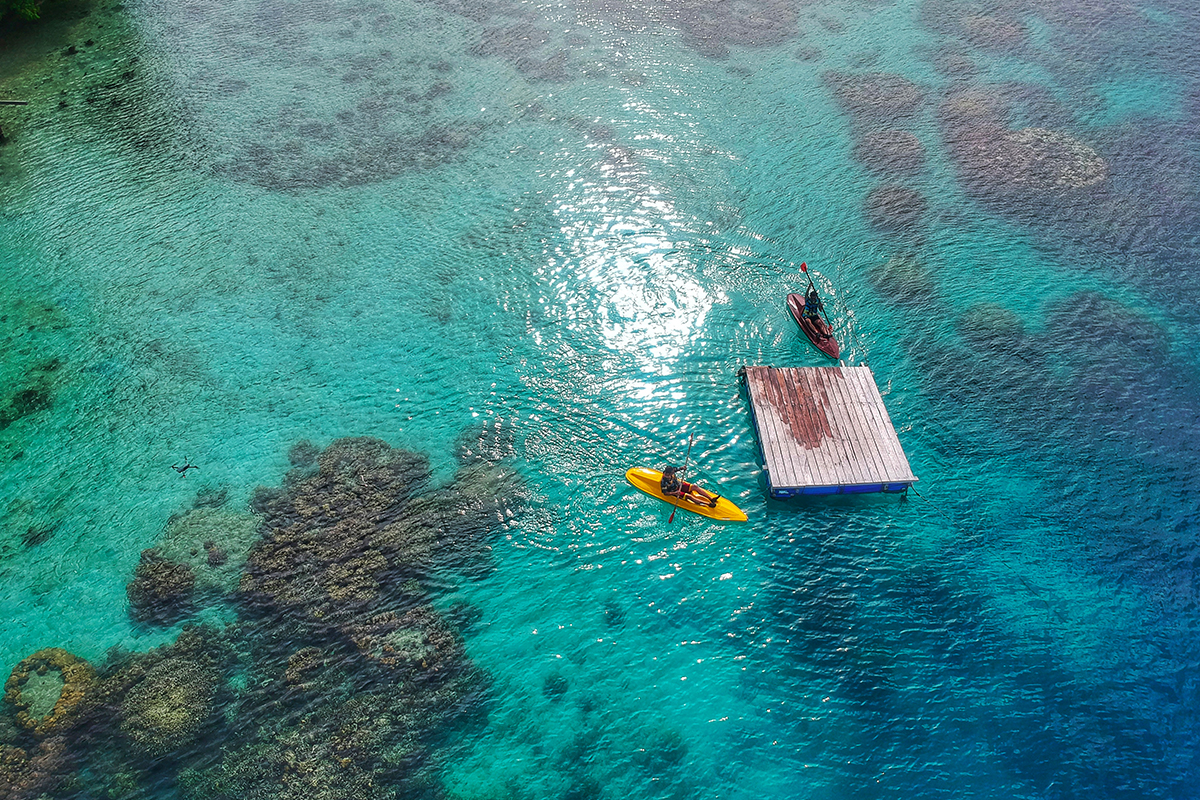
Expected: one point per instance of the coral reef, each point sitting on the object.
(371, 742)
(513, 41)
(890, 152)
(326, 755)
(904, 279)
(992, 327)
(1107, 336)
(364, 153)
(614, 614)
(341, 540)
(37, 534)
(955, 65)
(1013, 168)
(303, 454)
(394, 111)
(996, 28)
(213, 543)
(476, 10)
(895, 209)
(414, 642)
(148, 712)
(713, 26)
(210, 497)
(333, 537)
(28, 776)
(303, 666)
(663, 749)
(554, 687)
(35, 394)
(161, 590)
(463, 615)
(875, 98)
(339, 677)
(167, 707)
(1032, 159)
(49, 689)
(968, 109)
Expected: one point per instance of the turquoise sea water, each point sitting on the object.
(558, 231)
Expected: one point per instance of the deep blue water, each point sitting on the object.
(549, 235)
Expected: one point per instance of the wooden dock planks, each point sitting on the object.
(825, 430)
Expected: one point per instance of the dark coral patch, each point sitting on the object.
(303, 454)
(161, 590)
(878, 98)
(1024, 171)
(996, 29)
(37, 534)
(994, 32)
(895, 209)
(337, 539)
(955, 65)
(511, 41)
(417, 642)
(973, 107)
(28, 774)
(482, 498)
(991, 327)
(29, 400)
(1106, 334)
(492, 442)
(152, 709)
(890, 152)
(554, 687)
(364, 153)
(712, 26)
(339, 673)
(905, 279)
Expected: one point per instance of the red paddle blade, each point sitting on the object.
(803, 267)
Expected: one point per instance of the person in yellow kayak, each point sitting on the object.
(673, 485)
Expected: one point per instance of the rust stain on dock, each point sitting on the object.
(803, 415)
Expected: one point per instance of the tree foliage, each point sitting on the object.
(25, 9)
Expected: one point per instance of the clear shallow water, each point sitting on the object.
(408, 220)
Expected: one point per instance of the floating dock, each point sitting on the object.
(824, 430)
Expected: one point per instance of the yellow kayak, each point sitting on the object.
(649, 481)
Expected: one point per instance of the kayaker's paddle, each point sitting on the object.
(679, 497)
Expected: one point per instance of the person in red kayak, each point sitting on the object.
(812, 312)
(674, 486)
(812, 305)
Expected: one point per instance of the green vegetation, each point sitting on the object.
(15, 11)
(25, 9)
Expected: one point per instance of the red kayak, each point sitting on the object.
(819, 333)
